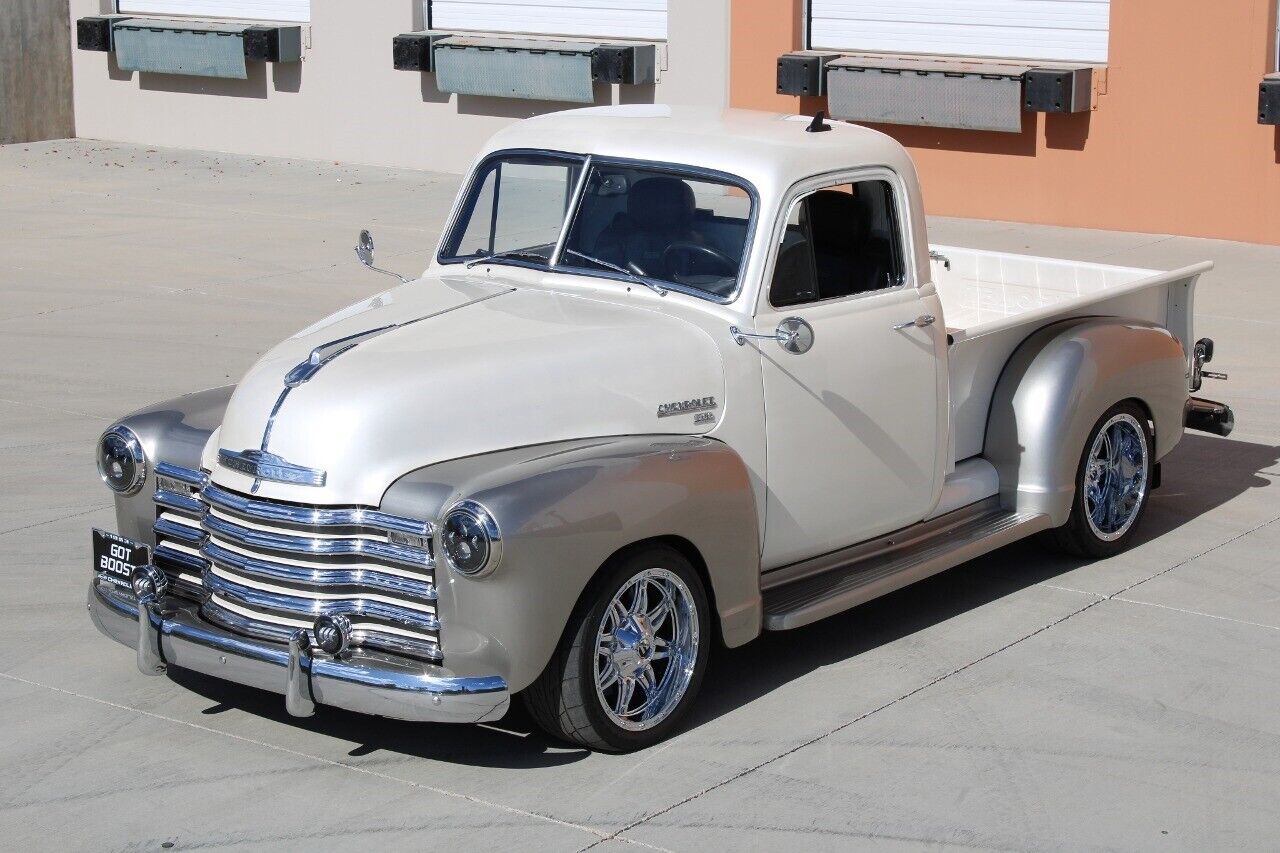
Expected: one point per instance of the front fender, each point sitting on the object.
(174, 431)
(1057, 385)
(563, 510)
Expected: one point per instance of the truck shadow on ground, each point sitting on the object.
(1202, 473)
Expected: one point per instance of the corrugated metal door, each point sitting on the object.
(623, 19)
(1061, 30)
(252, 10)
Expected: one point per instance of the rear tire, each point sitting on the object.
(632, 657)
(1113, 484)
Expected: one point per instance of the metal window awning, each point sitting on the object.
(976, 96)
(535, 69)
(935, 91)
(197, 48)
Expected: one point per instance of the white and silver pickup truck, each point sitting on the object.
(672, 380)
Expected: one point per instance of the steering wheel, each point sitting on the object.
(729, 265)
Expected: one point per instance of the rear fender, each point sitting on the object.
(1055, 387)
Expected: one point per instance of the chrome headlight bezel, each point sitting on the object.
(126, 442)
(479, 519)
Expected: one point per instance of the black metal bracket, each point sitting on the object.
(1269, 100)
(1058, 90)
(94, 32)
(415, 51)
(803, 73)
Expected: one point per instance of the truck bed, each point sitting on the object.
(993, 300)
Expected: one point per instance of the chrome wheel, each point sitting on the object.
(1115, 477)
(646, 649)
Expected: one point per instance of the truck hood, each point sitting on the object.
(463, 365)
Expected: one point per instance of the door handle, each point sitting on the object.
(919, 323)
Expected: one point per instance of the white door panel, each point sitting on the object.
(1058, 30)
(852, 425)
(622, 19)
(255, 10)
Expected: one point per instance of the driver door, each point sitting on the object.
(853, 426)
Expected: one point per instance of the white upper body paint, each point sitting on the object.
(497, 356)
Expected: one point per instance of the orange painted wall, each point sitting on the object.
(1173, 146)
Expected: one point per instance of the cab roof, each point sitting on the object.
(771, 150)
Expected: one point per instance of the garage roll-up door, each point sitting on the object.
(252, 10)
(1057, 30)
(624, 19)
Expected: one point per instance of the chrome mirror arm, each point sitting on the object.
(740, 337)
(364, 253)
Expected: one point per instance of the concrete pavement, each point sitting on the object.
(1021, 701)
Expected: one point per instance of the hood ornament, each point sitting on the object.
(267, 466)
(325, 353)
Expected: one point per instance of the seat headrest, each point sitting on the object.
(838, 218)
(660, 202)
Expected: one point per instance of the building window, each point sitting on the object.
(1046, 30)
(296, 11)
(643, 20)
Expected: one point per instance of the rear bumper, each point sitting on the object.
(1209, 416)
(172, 632)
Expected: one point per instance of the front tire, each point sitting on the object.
(1113, 484)
(632, 658)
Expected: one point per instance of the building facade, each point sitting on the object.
(1171, 141)
(1137, 115)
(346, 101)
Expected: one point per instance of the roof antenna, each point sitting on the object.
(818, 125)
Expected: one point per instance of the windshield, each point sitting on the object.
(661, 224)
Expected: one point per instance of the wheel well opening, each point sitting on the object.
(691, 553)
(1146, 411)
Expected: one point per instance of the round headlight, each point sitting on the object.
(470, 539)
(121, 460)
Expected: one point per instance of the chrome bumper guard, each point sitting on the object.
(172, 632)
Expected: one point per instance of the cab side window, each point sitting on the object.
(839, 241)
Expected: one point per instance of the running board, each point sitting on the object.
(808, 599)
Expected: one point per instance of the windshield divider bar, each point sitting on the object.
(571, 212)
(493, 211)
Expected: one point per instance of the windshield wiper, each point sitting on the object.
(513, 254)
(656, 288)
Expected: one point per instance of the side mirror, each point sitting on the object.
(794, 335)
(364, 252)
(364, 248)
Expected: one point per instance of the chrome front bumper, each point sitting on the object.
(173, 633)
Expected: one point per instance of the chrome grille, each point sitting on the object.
(179, 512)
(264, 568)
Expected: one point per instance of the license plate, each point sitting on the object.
(115, 558)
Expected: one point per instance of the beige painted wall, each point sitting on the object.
(345, 102)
